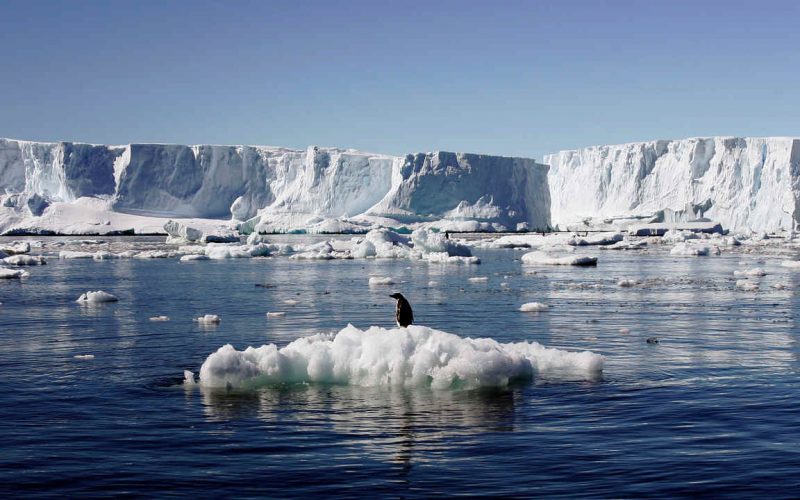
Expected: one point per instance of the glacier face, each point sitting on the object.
(743, 183)
(293, 187)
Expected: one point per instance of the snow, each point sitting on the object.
(412, 356)
(544, 258)
(96, 297)
(533, 307)
(742, 183)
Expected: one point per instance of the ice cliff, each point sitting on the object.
(275, 189)
(743, 183)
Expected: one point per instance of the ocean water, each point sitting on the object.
(711, 409)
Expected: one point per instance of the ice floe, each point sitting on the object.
(533, 307)
(412, 356)
(544, 258)
(96, 297)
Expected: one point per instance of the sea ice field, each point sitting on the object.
(539, 366)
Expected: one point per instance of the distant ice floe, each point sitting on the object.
(544, 258)
(84, 356)
(412, 356)
(13, 273)
(24, 260)
(208, 319)
(756, 271)
(791, 264)
(276, 314)
(533, 307)
(747, 285)
(693, 250)
(380, 280)
(96, 297)
(159, 318)
(479, 279)
(15, 247)
(627, 283)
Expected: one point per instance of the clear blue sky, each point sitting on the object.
(512, 78)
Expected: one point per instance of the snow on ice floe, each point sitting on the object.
(13, 273)
(15, 247)
(96, 297)
(24, 260)
(412, 356)
(544, 258)
(533, 307)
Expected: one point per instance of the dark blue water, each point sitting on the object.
(711, 409)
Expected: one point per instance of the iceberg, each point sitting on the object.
(741, 182)
(73, 188)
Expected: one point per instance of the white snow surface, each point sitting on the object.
(741, 182)
(412, 356)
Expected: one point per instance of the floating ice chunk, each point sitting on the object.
(104, 255)
(380, 280)
(600, 239)
(96, 297)
(533, 307)
(69, 254)
(443, 258)
(15, 247)
(756, 271)
(479, 279)
(542, 258)
(627, 283)
(626, 245)
(84, 356)
(159, 318)
(410, 356)
(208, 319)
(429, 242)
(746, 285)
(791, 264)
(13, 273)
(690, 250)
(433, 283)
(188, 378)
(25, 260)
(678, 236)
(780, 286)
(624, 331)
(154, 254)
(291, 302)
(256, 238)
(276, 314)
(191, 257)
(181, 233)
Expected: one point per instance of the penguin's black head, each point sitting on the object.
(396, 296)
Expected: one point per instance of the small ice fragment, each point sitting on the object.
(479, 279)
(379, 280)
(96, 297)
(433, 283)
(276, 314)
(792, 264)
(756, 271)
(626, 283)
(779, 286)
(208, 319)
(192, 257)
(159, 318)
(84, 356)
(188, 378)
(624, 331)
(533, 307)
(291, 302)
(746, 285)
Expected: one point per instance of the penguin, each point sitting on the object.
(404, 314)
